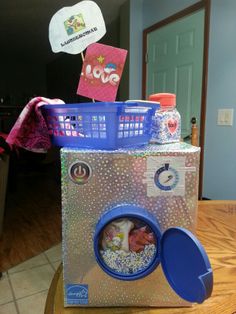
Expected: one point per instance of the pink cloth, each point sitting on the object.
(4, 136)
(30, 130)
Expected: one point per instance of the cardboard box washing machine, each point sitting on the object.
(128, 219)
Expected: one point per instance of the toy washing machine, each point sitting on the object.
(128, 221)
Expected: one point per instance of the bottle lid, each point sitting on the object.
(165, 99)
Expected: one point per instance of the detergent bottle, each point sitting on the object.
(166, 126)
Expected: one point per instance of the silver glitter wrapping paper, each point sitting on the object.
(120, 177)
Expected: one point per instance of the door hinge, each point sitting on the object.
(146, 57)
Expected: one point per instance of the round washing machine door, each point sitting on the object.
(129, 245)
(127, 242)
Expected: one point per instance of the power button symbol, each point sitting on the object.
(80, 172)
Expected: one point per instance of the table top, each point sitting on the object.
(217, 232)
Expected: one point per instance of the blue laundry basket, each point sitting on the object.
(100, 125)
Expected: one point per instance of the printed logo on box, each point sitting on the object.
(77, 294)
(74, 24)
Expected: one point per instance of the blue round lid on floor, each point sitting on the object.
(186, 265)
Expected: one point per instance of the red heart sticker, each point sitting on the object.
(172, 125)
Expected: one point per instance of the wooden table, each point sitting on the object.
(217, 232)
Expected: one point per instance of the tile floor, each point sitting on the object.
(25, 287)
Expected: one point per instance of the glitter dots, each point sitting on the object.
(129, 263)
(118, 178)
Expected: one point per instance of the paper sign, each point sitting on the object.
(166, 175)
(101, 72)
(72, 29)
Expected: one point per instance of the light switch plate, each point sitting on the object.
(225, 117)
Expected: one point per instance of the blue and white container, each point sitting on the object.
(166, 127)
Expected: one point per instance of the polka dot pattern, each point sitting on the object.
(118, 178)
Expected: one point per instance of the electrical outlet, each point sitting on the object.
(225, 117)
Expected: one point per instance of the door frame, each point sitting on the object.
(204, 4)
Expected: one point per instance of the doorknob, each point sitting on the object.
(193, 120)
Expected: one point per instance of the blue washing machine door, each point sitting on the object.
(127, 242)
(183, 258)
(186, 265)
